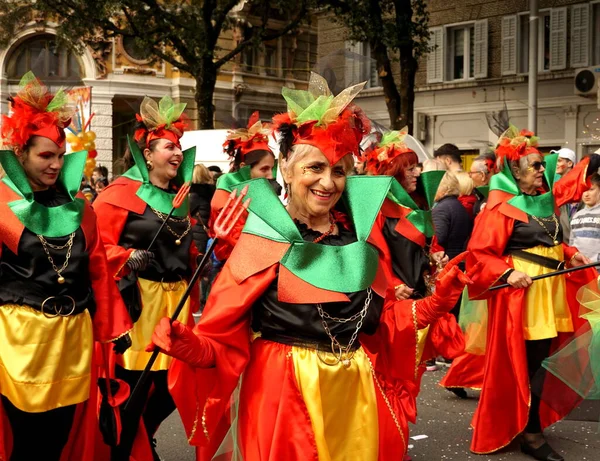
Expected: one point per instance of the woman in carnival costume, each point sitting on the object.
(251, 157)
(152, 280)
(56, 295)
(408, 231)
(517, 236)
(329, 371)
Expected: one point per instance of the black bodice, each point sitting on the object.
(532, 234)
(301, 323)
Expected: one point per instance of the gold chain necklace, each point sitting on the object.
(178, 237)
(553, 219)
(68, 246)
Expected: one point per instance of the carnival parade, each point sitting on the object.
(327, 297)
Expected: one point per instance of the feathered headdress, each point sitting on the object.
(317, 118)
(514, 144)
(389, 148)
(164, 120)
(36, 112)
(242, 141)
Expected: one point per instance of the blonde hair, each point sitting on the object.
(201, 175)
(448, 186)
(465, 183)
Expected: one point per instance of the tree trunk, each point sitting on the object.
(206, 79)
(408, 63)
(390, 91)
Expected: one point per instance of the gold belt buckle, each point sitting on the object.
(57, 308)
(170, 286)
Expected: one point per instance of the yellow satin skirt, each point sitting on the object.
(546, 310)
(341, 403)
(158, 300)
(45, 363)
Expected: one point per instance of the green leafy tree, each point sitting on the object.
(182, 33)
(397, 30)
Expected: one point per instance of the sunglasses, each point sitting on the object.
(537, 166)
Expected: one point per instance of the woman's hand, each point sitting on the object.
(579, 260)
(179, 341)
(519, 280)
(403, 291)
(139, 259)
(440, 259)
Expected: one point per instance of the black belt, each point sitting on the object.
(549, 263)
(50, 306)
(316, 344)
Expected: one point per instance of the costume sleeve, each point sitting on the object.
(111, 318)
(225, 327)
(488, 241)
(112, 221)
(571, 186)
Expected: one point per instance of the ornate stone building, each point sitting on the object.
(121, 74)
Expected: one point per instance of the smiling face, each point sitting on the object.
(315, 185)
(166, 157)
(563, 166)
(42, 162)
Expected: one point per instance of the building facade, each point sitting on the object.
(121, 74)
(479, 66)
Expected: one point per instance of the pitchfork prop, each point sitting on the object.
(224, 224)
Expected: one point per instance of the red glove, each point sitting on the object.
(179, 341)
(450, 284)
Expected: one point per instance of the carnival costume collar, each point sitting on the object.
(155, 197)
(541, 205)
(49, 222)
(343, 269)
(419, 218)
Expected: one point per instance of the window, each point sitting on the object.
(360, 65)
(134, 51)
(595, 34)
(543, 42)
(460, 52)
(46, 59)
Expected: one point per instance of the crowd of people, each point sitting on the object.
(341, 267)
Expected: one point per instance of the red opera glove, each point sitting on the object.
(450, 284)
(180, 342)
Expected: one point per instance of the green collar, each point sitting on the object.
(46, 221)
(323, 265)
(229, 181)
(541, 205)
(153, 196)
(484, 191)
(421, 219)
(430, 181)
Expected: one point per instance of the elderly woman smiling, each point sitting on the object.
(518, 236)
(326, 375)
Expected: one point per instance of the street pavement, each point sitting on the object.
(445, 421)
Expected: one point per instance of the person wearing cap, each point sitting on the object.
(450, 155)
(518, 236)
(565, 163)
(57, 298)
(152, 280)
(328, 372)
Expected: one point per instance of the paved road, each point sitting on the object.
(444, 419)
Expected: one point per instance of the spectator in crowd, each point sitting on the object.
(481, 172)
(565, 163)
(99, 172)
(215, 172)
(201, 193)
(100, 184)
(585, 225)
(450, 155)
(465, 191)
(87, 190)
